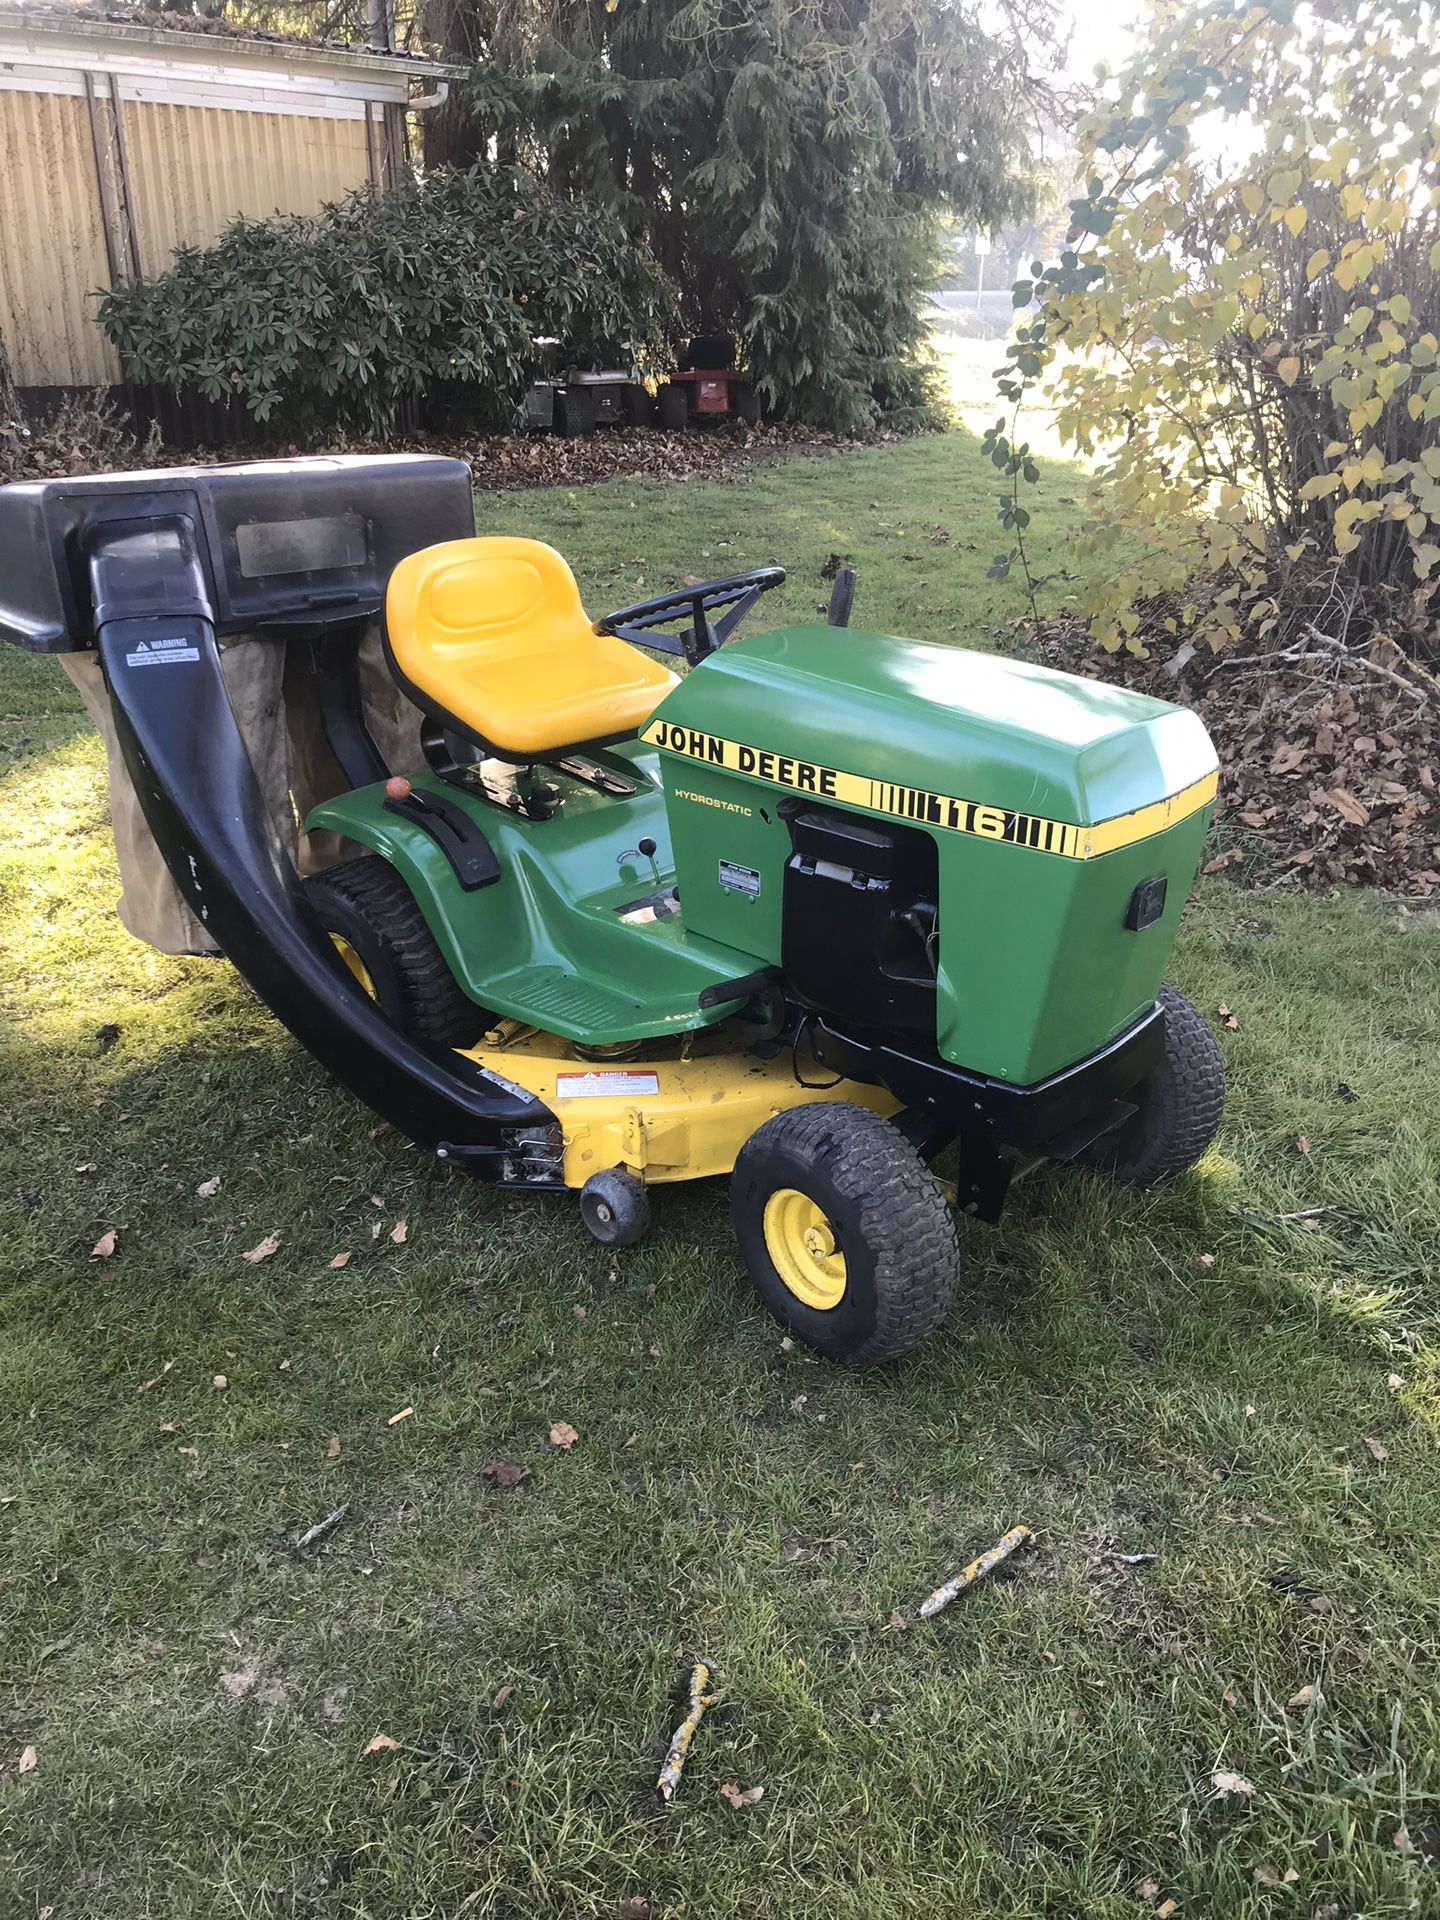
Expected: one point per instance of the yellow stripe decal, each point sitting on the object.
(933, 809)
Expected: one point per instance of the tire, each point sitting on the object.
(745, 402)
(615, 1207)
(839, 1174)
(365, 905)
(1180, 1105)
(639, 407)
(575, 413)
(672, 409)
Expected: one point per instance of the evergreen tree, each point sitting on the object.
(787, 161)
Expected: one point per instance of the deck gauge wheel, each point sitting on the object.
(615, 1207)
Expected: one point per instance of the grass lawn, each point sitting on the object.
(1197, 1373)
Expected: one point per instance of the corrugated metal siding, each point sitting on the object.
(52, 243)
(193, 169)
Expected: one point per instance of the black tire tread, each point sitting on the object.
(672, 409)
(1183, 1108)
(907, 1222)
(432, 1006)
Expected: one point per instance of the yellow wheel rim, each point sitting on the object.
(356, 965)
(803, 1249)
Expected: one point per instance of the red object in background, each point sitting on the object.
(709, 387)
(397, 787)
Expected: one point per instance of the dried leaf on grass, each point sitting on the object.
(207, 1189)
(1225, 1782)
(104, 1246)
(505, 1473)
(1272, 1877)
(1379, 1452)
(263, 1249)
(502, 1696)
(339, 1260)
(1301, 1699)
(155, 1378)
(562, 1434)
(400, 1233)
(29, 1760)
(382, 1743)
(740, 1797)
(332, 1447)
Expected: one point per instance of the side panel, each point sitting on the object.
(1037, 968)
(1037, 965)
(550, 942)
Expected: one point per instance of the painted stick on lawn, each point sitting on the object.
(977, 1570)
(701, 1700)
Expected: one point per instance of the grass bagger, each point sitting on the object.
(822, 909)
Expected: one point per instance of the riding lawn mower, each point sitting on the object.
(812, 912)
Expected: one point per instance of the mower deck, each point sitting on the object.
(681, 1110)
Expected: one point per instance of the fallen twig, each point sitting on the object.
(312, 1534)
(1130, 1559)
(977, 1570)
(701, 1700)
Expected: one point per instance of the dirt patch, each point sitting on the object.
(1329, 765)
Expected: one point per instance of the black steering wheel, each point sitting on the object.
(736, 593)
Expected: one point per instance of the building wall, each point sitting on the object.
(110, 158)
(195, 168)
(52, 243)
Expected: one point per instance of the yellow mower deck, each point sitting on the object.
(680, 1113)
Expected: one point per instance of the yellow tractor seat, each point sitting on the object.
(489, 637)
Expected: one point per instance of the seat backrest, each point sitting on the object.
(452, 604)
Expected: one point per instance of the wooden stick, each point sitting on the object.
(977, 1570)
(312, 1534)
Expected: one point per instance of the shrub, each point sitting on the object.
(327, 324)
(1245, 329)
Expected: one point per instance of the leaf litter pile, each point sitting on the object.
(498, 462)
(1329, 763)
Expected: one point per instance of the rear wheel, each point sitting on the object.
(845, 1232)
(381, 935)
(639, 407)
(745, 402)
(672, 408)
(1179, 1106)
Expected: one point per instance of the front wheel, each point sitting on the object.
(845, 1232)
(1179, 1106)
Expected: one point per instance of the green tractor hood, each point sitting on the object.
(937, 733)
(1068, 818)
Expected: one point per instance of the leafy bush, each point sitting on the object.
(329, 323)
(788, 163)
(1245, 332)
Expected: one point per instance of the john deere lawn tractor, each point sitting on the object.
(814, 913)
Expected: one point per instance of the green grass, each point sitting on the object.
(1184, 1372)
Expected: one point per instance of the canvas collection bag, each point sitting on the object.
(276, 708)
